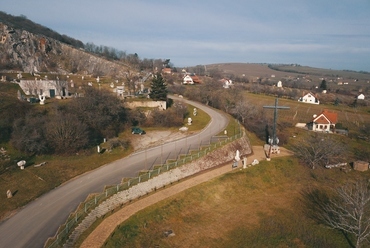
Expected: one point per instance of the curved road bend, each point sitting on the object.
(40, 219)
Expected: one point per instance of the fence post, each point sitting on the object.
(149, 174)
(106, 193)
(117, 187)
(139, 179)
(95, 200)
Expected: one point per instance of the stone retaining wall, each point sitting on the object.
(215, 158)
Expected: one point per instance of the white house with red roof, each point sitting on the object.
(324, 122)
(187, 80)
(226, 83)
(191, 79)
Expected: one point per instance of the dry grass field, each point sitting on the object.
(351, 118)
(281, 71)
(258, 207)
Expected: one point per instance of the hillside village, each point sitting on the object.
(325, 108)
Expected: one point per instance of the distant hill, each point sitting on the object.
(275, 72)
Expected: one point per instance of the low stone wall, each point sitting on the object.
(148, 104)
(215, 158)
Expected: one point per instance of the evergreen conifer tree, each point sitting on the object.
(158, 90)
(323, 85)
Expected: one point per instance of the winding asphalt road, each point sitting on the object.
(40, 219)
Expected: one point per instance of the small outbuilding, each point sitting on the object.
(361, 165)
(361, 97)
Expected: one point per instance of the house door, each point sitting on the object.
(52, 93)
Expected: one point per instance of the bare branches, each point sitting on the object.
(319, 150)
(349, 211)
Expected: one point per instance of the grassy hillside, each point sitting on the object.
(257, 207)
(351, 118)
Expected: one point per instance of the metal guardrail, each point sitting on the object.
(64, 230)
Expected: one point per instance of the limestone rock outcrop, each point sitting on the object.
(21, 50)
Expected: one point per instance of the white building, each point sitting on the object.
(324, 122)
(309, 98)
(226, 83)
(361, 97)
(48, 88)
(187, 80)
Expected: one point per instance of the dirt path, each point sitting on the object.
(102, 232)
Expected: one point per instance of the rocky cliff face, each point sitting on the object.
(24, 51)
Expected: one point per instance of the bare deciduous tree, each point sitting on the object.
(348, 210)
(319, 149)
(244, 109)
(66, 133)
(28, 134)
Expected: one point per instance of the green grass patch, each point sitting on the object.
(199, 121)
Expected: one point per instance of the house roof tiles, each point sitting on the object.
(326, 117)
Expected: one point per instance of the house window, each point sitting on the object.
(325, 127)
(320, 126)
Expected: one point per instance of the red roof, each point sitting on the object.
(326, 117)
(196, 79)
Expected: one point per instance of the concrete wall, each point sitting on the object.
(148, 104)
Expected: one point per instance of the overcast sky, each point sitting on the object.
(318, 33)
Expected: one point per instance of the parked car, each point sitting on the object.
(137, 130)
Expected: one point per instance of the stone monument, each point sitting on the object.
(42, 99)
(21, 164)
(9, 194)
